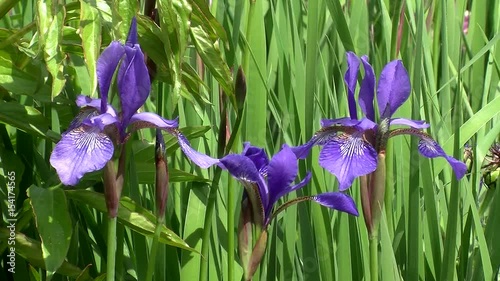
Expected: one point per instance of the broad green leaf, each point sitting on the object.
(131, 215)
(26, 118)
(90, 32)
(122, 12)
(15, 79)
(209, 51)
(53, 224)
(201, 16)
(31, 250)
(50, 25)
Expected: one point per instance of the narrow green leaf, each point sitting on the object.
(53, 223)
(131, 215)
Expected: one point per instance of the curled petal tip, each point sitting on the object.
(338, 201)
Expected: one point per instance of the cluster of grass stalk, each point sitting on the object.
(432, 226)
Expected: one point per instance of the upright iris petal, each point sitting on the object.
(366, 92)
(393, 88)
(133, 78)
(106, 66)
(350, 78)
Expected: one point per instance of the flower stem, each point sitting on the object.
(374, 255)
(152, 253)
(230, 229)
(110, 273)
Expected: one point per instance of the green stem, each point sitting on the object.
(230, 229)
(207, 226)
(152, 254)
(374, 255)
(110, 273)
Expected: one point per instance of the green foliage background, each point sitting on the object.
(293, 56)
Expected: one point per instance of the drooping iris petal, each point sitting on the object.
(106, 66)
(338, 201)
(367, 90)
(393, 88)
(133, 81)
(431, 149)
(200, 159)
(281, 172)
(151, 120)
(302, 151)
(242, 168)
(285, 191)
(348, 157)
(417, 124)
(80, 151)
(351, 78)
(257, 155)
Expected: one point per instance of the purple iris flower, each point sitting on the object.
(88, 144)
(266, 181)
(350, 145)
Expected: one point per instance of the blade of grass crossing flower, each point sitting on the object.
(321, 219)
(454, 211)
(431, 220)
(415, 257)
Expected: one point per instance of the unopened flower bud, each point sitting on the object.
(240, 88)
(161, 176)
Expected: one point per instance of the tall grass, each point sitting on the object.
(293, 56)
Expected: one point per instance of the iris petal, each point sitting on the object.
(152, 120)
(338, 201)
(348, 157)
(431, 149)
(302, 151)
(243, 169)
(393, 88)
(344, 121)
(133, 82)
(80, 151)
(106, 66)
(417, 124)
(257, 155)
(351, 78)
(367, 90)
(281, 172)
(200, 159)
